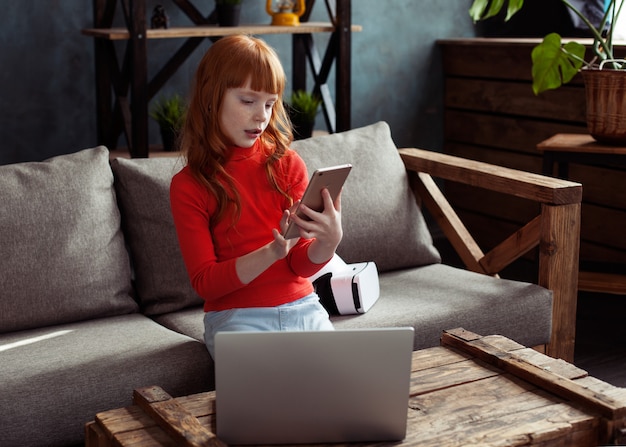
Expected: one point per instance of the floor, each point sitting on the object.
(601, 336)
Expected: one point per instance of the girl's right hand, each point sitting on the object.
(281, 246)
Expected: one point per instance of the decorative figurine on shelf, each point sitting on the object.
(159, 18)
(288, 14)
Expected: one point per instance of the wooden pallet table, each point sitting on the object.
(471, 390)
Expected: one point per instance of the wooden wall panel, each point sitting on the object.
(492, 115)
(506, 133)
(515, 99)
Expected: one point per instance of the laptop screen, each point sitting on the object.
(312, 387)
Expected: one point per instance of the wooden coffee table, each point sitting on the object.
(471, 390)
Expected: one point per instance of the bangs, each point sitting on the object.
(258, 63)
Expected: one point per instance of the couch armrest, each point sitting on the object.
(556, 230)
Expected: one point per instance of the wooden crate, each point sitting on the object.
(472, 390)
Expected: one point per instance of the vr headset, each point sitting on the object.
(347, 289)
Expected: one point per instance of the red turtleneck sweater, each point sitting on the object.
(210, 257)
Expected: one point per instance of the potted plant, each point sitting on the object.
(228, 12)
(169, 112)
(555, 63)
(303, 109)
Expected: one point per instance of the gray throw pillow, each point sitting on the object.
(63, 254)
(161, 279)
(381, 220)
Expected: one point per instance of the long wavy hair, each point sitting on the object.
(230, 63)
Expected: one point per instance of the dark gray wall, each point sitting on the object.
(47, 100)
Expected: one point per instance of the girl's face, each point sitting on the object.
(245, 114)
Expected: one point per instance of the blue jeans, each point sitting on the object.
(305, 314)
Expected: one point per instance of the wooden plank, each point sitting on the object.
(199, 405)
(146, 437)
(449, 376)
(578, 142)
(511, 134)
(604, 226)
(174, 419)
(558, 271)
(557, 366)
(131, 426)
(129, 419)
(602, 282)
(547, 380)
(601, 185)
(216, 31)
(498, 58)
(517, 183)
(435, 357)
(595, 253)
(567, 103)
(523, 161)
(498, 410)
(498, 230)
(489, 60)
(449, 222)
(138, 77)
(512, 248)
(95, 436)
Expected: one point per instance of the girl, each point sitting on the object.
(235, 197)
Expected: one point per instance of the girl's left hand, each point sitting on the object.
(281, 246)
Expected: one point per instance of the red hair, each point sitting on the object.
(230, 63)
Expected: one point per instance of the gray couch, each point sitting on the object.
(95, 298)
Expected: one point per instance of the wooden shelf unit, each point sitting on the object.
(123, 93)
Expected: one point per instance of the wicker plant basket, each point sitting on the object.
(606, 104)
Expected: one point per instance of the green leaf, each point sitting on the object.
(483, 9)
(554, 65)
(169, 112)
(514, 6)
(305, 103)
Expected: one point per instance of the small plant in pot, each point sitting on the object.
(555, 63)
(302, 110)
(169, 112)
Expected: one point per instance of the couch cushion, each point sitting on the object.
(437, 297)
(63, 253)
(434, 298)
(188, 321)
(161, 279)
(381, 220)
(55, 380)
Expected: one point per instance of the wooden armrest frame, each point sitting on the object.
(556, 230)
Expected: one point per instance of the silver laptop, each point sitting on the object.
(312, 387)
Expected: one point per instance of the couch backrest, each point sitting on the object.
(63, 257)
(380, 217)
(161, 279)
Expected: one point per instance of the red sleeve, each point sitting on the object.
(191, 209)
